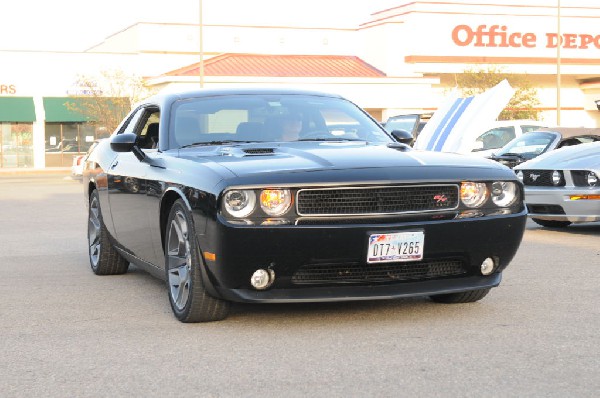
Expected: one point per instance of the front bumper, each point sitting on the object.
(354, 293)
(240, 250)
(555, 204)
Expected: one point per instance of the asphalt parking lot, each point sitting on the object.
(69, 333)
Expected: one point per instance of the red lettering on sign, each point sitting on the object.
(494, 36)
(500, 36)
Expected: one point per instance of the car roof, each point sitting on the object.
(567, 132)
(168, 97)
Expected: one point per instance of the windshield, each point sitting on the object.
(403, 122)
(529, 144)
(269, 118)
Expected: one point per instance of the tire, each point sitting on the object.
(551, 223)
(189, 300)
(104, 258)
(463, 297)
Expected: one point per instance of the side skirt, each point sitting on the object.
(150, 268)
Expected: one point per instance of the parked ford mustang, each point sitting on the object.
(534, 143)
(563, 187)
(271, 196)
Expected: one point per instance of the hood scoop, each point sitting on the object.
(244, 152)
(258, 151)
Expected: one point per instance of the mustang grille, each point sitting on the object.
(540, 178)
(580, 178)
(367, 273)
(376, 200)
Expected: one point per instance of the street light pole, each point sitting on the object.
(558, 45)
(201, 48)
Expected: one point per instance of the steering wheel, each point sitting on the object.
(315, 134)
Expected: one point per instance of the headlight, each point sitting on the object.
(556, 177)
(592, 179)
(239, 202)
(473, 194)
(504, 193)
(275, 202)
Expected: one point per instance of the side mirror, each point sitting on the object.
(403, 137)
(123, 142)
(127, 142)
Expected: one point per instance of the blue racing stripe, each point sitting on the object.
(442, 124)
(461, 110)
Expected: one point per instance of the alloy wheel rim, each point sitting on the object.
(179, 261)
(94, 233)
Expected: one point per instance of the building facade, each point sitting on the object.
(401, 60)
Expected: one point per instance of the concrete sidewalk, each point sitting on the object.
(30, 172)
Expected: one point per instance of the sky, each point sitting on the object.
(76, 25)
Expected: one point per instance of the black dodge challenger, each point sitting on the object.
(272, 196)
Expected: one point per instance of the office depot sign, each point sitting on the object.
(501, 36)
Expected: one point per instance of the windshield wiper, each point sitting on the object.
(330, 139)
(224, 142)
(516, 155)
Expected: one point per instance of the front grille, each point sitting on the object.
(580, 178)
(540, 178)
(376, 200)
(394, 219)
(377, 273)
(545, 209)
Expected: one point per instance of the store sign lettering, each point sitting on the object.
(8, 89)
(500, 36)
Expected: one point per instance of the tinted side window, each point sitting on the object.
(526, 128)
(129, 126)
(497, 137)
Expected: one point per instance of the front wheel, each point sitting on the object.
(189, 300)
(104, 258)
(551, 223)
(463, 297)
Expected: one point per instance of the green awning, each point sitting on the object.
(17, 109)
(84, 109)
(64, 109)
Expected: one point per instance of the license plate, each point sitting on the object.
(394, 247)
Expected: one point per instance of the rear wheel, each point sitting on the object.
(551, 223)
(104, 258)
(189, 300)
(462, 297)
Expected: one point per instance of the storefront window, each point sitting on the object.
(16, 144)
(65, 140)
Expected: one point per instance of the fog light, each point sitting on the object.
(592, 179)
(556, 177)
(262, 279)
(487, 266)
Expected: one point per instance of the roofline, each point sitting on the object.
(204, 93)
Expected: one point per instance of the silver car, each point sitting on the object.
(563, 186)
(534, 143)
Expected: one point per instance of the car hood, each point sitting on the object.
(244, 160)
(582, 156)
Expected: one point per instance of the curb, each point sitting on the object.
(18, 172)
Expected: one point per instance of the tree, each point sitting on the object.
(104, 100)
(522, 104)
